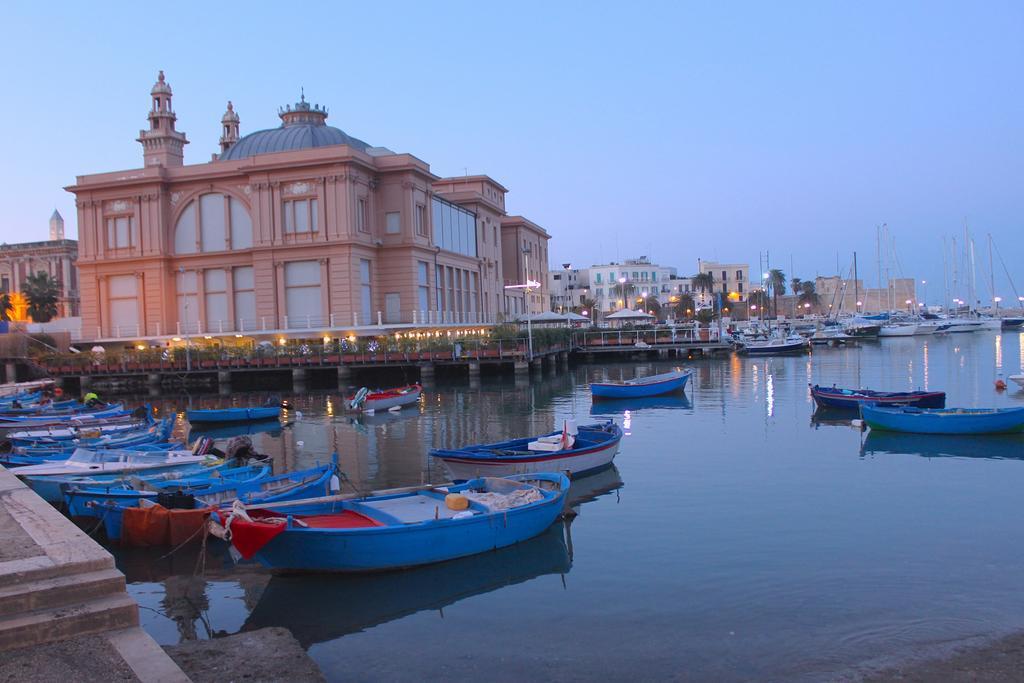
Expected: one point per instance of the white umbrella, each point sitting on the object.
(627, 314)
(545, 317)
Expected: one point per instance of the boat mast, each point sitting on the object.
(945, 276)
(991, 273)
(856, 291)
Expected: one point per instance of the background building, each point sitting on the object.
(300, 229)
(732, 280)
(639, 277)
(843, 294)
(56, 257)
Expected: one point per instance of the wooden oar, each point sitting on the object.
(337, 498)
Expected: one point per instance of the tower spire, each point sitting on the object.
(56, 226)
(162, 145)
(229, 122)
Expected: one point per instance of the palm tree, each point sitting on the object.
(41, 291)
(758, 298)
(705, 282)
(5, 306)
(586, 306)
(777, 281)
(685, 306)
(651, 304)
(808, 295)
(794, 285)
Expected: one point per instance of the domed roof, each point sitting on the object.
(291, 137)
(303, 127)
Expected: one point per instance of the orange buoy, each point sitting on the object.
(1000, 385)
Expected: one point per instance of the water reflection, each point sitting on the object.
(616, 407)
(322, 608)
(995, 447)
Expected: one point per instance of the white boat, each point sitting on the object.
(991, 323)
(1018, 379)
(961, 325)
(898, 330)
(790, 344)
(46, 479)
(929, 327)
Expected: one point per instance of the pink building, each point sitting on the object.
(56, 257)
(300, 230)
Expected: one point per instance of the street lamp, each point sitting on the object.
(997, 300)
(622, 290)
(908, 302)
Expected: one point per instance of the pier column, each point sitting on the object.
(562, 359)
(537, 364)
(344, 375)
(11, 372)
(474, 369)
(84, 383)
(521, 367)
(299, 376)
(427, 372)
(223, 378)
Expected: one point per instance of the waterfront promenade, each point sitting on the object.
(64, 612)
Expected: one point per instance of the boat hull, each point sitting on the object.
(390, 547)
(844, 399)
(790, 347)
(233, 415)
(499, 460)
(898, 331)
(915, 421)
(624, 390)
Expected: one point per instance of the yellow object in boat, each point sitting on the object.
(456, 501)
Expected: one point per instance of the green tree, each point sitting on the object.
(651, 305)
(5, 306)
(704, 283)
(807, 294)
(685, 306)
(41, 292)
(777, 281)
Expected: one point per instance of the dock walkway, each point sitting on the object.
(60, 593)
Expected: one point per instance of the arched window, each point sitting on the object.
(220, 223)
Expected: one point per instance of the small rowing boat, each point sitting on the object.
(396, 530)
(233, 414)
(576, 450)
(851, 399)
(654, 385)
(366, 401)
(947, 421)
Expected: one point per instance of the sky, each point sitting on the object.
(676, 130)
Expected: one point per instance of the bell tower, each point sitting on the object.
(229, 124)
(161, 144)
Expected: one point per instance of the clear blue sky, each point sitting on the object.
(677, 130)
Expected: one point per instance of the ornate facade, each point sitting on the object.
(300, 230)
(56, 257)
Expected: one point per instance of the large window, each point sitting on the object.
(188, 302)
(365, 292)
(124, 305)
(244, 286)
(422, 272)
(215, 293)
(119, 232)
(220, 223)
(393, 222)
(361, 224)
(454, 228)
(302, 293)
(300, 215)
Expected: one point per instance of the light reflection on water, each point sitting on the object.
(738, 538)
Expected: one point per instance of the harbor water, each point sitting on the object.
(738, 537)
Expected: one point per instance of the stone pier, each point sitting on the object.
(62, 598)
(474, 369)
(427, 372)
(344, 376)
(521, 367)
(299, 376)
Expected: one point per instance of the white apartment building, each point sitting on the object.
(732, 280)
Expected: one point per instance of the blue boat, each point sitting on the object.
(640, 387)
(303, 484)
(399, 529)
(988, 447)
(947, 421)
(576, 450)
(851, 399)
(234, 414)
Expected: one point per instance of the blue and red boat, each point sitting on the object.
(949, 421)
(394, 530)
(852, 399)
(641, 387)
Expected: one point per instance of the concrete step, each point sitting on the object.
(50, 593)
(49, 625)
